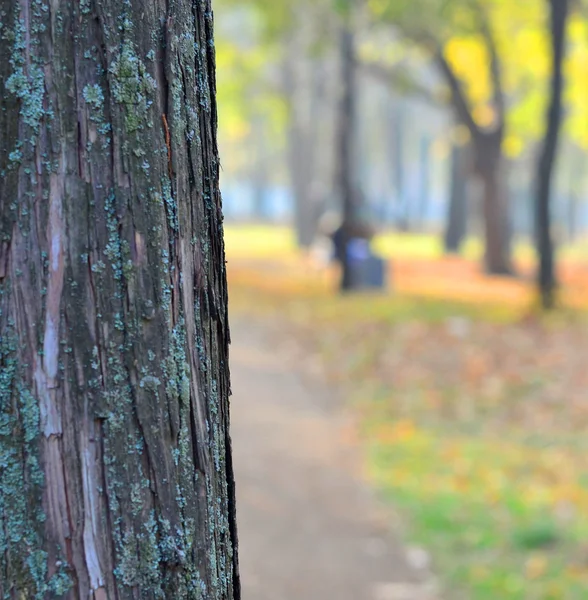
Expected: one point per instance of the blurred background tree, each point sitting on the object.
(451, 110)
(456, 132)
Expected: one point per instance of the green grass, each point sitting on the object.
(490, 535)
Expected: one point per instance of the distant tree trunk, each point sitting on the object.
(300, 154)
(496, 234)
(304, 88)
(346, 173)
(456, 229)
(304, 210)
(487, 146)
(546, 275)
(259, 194)
(425, 180)
(297, 156)
(398, 167)
(490, 170)
(572, 216)
(115, 460)
(260, 174)
(576, 181)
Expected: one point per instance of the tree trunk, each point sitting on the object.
(457, 215)
(346, 173)
(300, 174)
(496, 224)
(487, 144)
(398, 146)
(260, 172)
(304, 92)
(115, 461)
(576, 185)
(425, 181)
(489, 167)
(546, 274)
(572, 216)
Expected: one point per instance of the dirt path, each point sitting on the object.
(309, 528)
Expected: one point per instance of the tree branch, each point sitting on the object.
(399, 78)
(460, 102)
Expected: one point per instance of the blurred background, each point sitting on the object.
(406, 218)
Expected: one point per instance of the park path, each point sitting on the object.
(309, 527)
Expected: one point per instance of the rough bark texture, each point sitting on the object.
(546, 275)
(457, 214)
(115, 468)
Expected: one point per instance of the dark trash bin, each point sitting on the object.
(366, 270)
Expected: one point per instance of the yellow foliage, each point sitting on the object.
(577, 29)
(576, 91)
(513, 145)
(469, 59)
(532, 45)
(234, 126)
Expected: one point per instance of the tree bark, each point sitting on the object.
(115, 461)
(546, 275)
(456, 229)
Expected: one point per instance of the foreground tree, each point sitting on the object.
(546, 277)
(115, 461)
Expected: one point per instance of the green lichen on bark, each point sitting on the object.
(27, 80)
(133, 87)
(21, 483)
